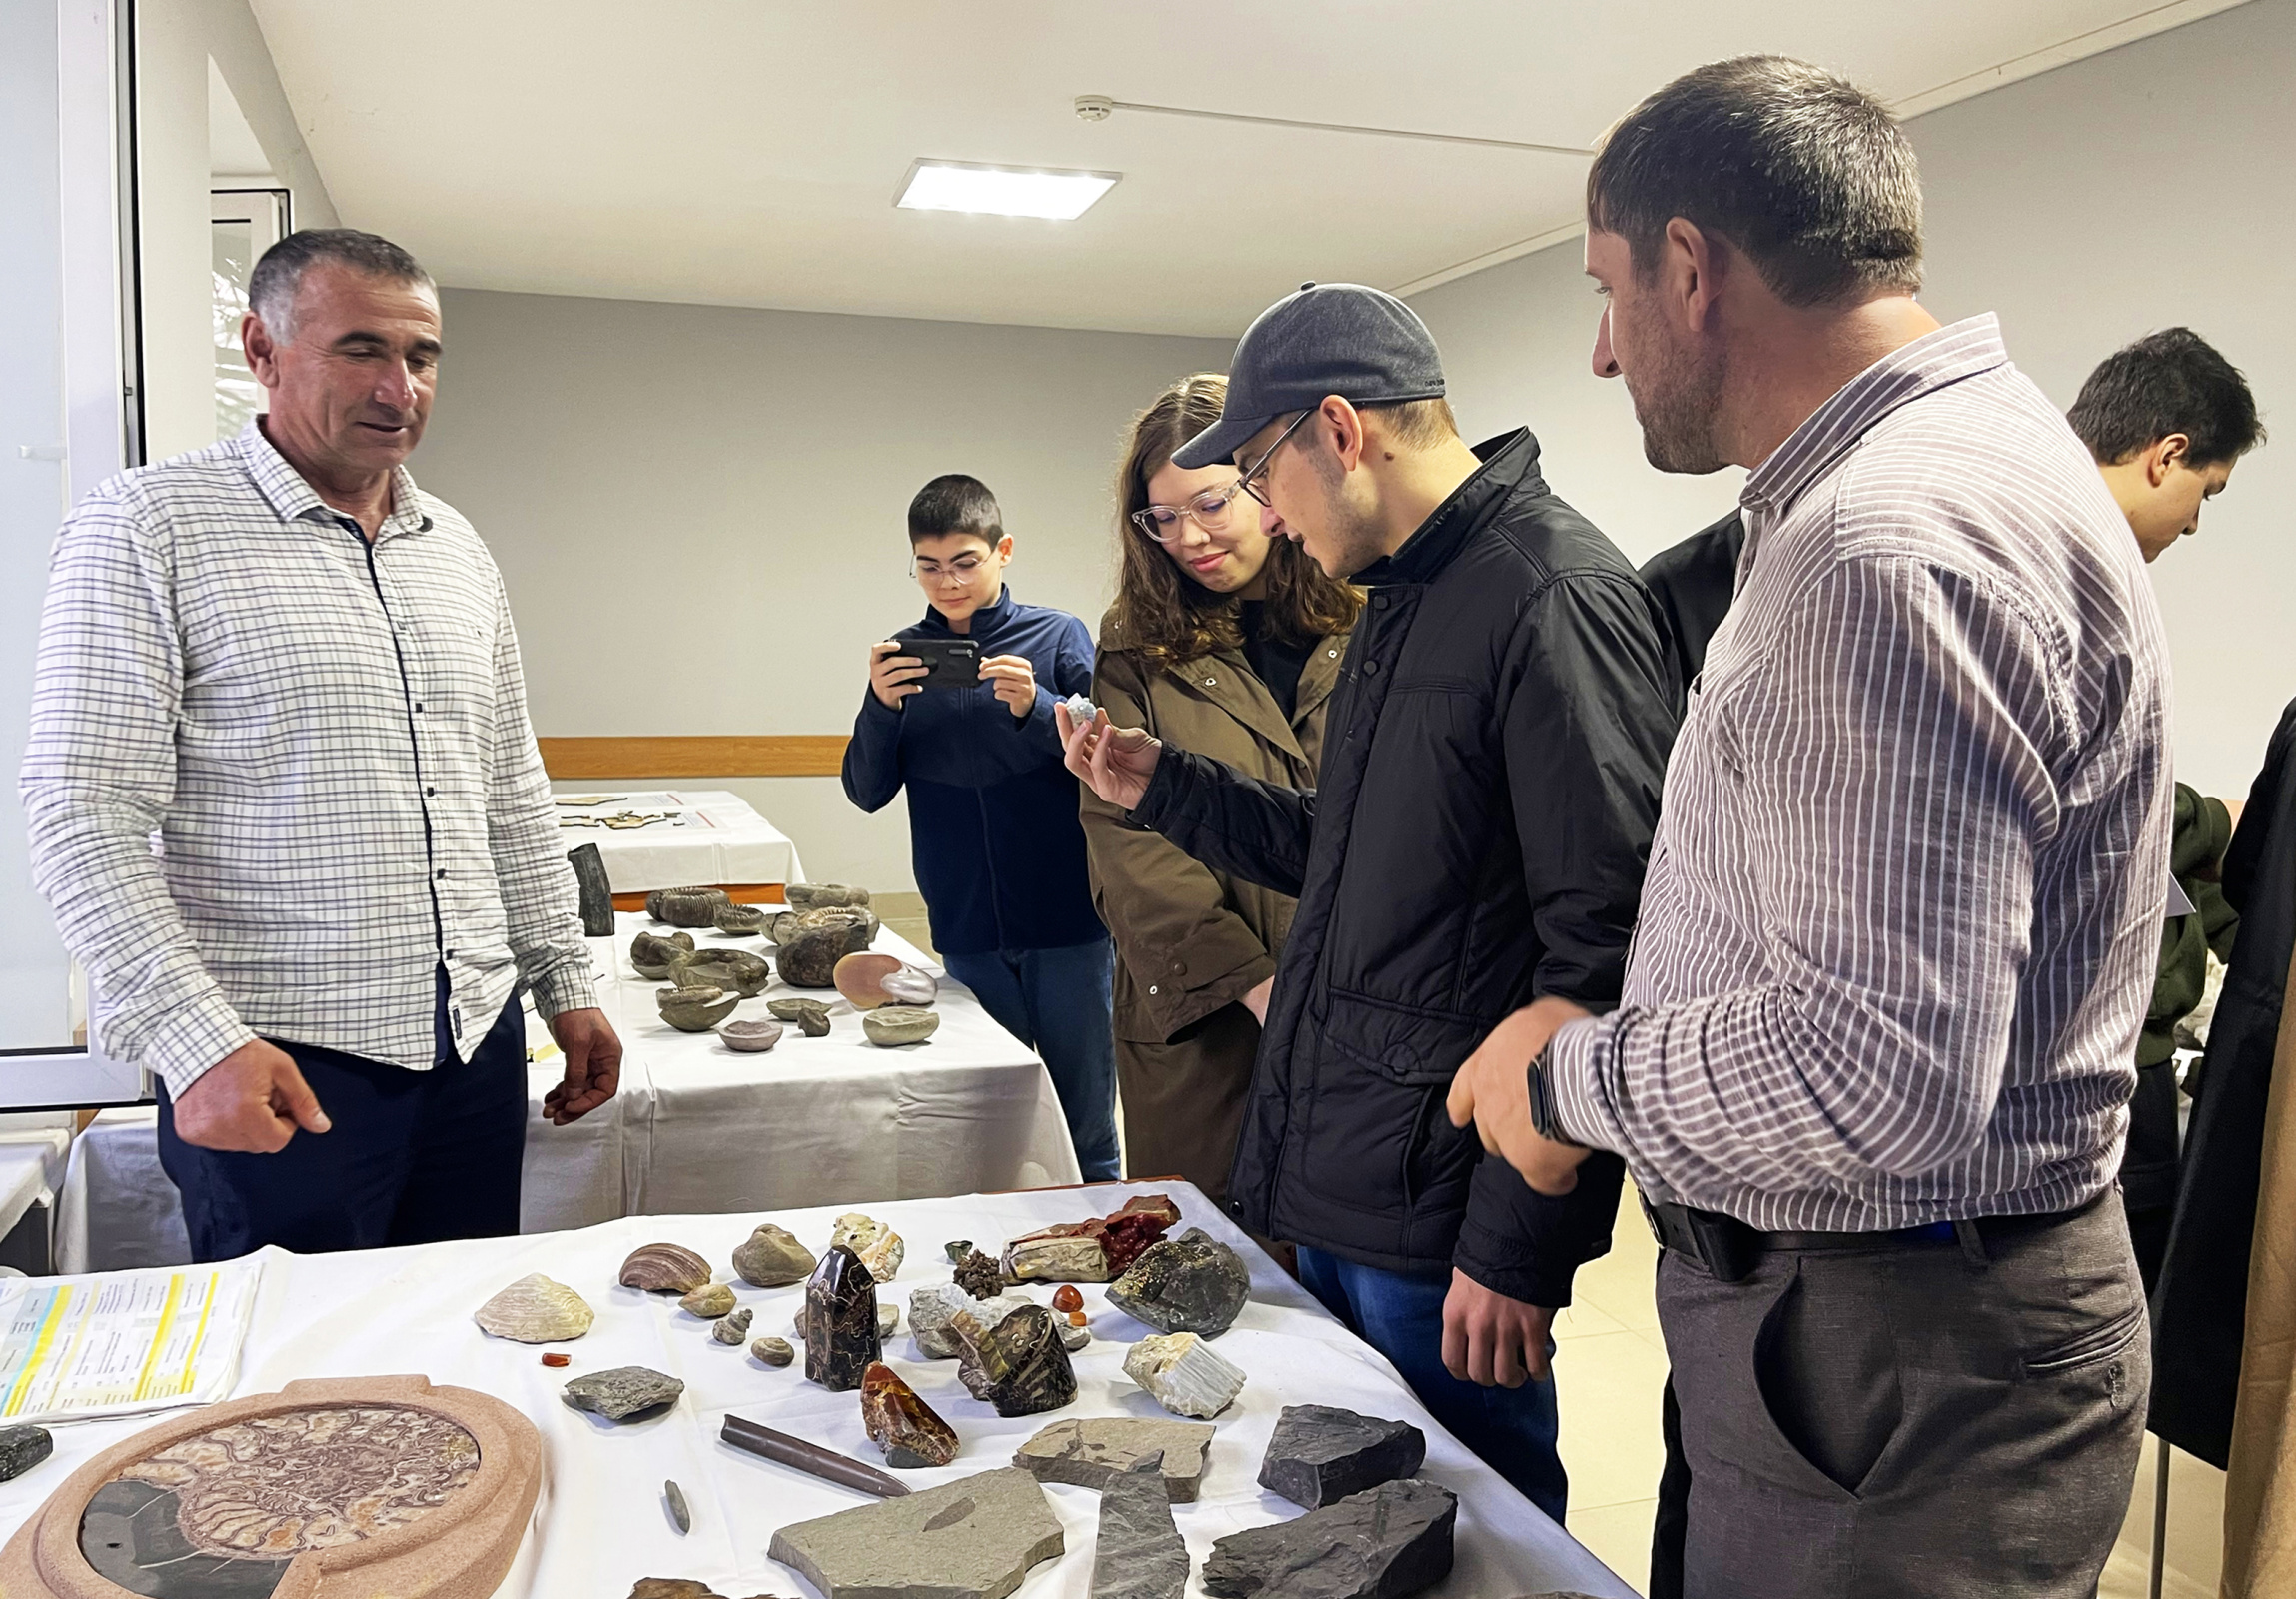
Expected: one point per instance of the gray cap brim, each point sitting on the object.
(1218, 443)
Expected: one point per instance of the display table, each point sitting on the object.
(695, 1128)
(709, 838)
(600, 1525)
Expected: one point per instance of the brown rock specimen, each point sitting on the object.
(678, 1588)
(980, 1276)
(901, 1425)
(823, 896)
(1019, 1365)
(687, 908)
(665, 1268)
(1091, 1251)
(735, 972)
(651, 955)
(774, 1258)
(839, 1321)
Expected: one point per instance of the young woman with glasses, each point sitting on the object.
(1226, 642)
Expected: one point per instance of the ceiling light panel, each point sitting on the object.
(1002, 190)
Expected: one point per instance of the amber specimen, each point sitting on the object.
(554, 1358)
(1065, 1298)
(902, 1424)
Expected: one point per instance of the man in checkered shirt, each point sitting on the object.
(287, 806)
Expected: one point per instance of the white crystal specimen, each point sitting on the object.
(931, 1308)
(1185, 1375)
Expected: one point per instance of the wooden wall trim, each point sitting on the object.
(794, 755)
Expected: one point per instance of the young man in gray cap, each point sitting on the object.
(1491, 777)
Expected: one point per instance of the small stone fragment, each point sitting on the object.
(681, 1514)
(889, 1321)
(901, 1425)
(930, 1310)
(1019, 1365)
(1139, 1554)
(823, 896)
(774, 1258)
(733, 971)
(1384, 1543)
(956, 1250)
(1192, 1283)
(1067, 1299)
(651, 955)
(734, 1328)
(1074, 1339)
(980, 1276)
(678, 1588)
(974, 1538)
(22, 1448)
(694, 1009)
(773, 1352)
(534, 1309)
(710, 1301)
(811, 1016)
(1319, 1454)
(879, 1247)
(554, 1358)
(750, 1037)
(665, 1268)
(839, 1321)
(1184, 1374)
(622, 1391)
(1093, 1451)
(891, 1027)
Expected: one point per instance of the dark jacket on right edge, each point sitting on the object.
(1491, 763)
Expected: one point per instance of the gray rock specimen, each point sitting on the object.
(733, 1328)
(811, 1016)
(687, 908)
(694, 1009)
(1139, 1554)
(622, 1391)
(930, 1309)
(774, 1258)
(1072, 1338)
(681, 1513)
(822, 896)
(741, 922)
(956, 1250)
(1319, 1453)
(22, 1448)
(678, 1588)
(651, 954)
(773, 1352)
(709, 1301)
(1382, 1543)
(810, 943)
(596, 894)
(891, 1027)
(1184, 1374)
(1093, 1451)
(889, 1321)
(974, 1538)
(1192, 1283)
(750, 1037)
(731, 970)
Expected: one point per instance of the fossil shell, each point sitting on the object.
(695, 1009)
(535, 1310)
(687, 908)
(809, 943)
(734, 1329)
(750, 1037)
(891, 1027)
(773, 1352)
(741, 922)
(651, 956)
(733, 971)
(665, 1268)
(710, 1301)
(879, 1247)
(811, 1014)
(818, 895)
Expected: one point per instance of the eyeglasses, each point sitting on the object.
(1212, 511)
(961, 567)
(1259, 468)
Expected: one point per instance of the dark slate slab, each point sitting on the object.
(1384, 1543)
(1319, 1453)
(1139, 1554)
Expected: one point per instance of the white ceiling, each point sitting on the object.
(740, 152)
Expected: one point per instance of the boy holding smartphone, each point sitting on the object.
(993, 829)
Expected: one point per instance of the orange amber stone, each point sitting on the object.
(1077, 1318)
(554, 1358)
(1065, 1298)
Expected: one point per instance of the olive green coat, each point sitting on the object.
(1190, 942)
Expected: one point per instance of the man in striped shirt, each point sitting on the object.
(1872, 1062)
(287, 806)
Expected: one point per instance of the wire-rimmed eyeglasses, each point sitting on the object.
(1212, 511)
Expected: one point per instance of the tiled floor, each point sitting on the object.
(1611, 1364)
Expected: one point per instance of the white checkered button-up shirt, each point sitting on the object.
(1903, 904)
(278, 775)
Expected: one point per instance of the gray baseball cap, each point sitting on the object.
(1363, 345)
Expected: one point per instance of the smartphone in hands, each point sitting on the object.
(950, 663)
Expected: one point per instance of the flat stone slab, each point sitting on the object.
(1319, 1453)
(1138, 1554)
(976, 1539)
(1382, 1543)
(1093, 1451)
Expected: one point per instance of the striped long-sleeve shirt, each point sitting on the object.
(1905, 899)
(278, 774)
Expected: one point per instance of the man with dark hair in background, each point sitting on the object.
(1871, 1066)
(2167, 419)
(994, 835)
(298, 672)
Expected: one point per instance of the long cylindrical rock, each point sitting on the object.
(811, 1458)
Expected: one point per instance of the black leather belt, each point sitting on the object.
(1730, 1250)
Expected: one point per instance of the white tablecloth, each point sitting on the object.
(599, 1526)
(712, 837)
(695, 1128)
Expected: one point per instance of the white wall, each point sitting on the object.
(700, 511)
(2138, 189)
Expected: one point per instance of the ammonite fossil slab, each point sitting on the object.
(687, 908)
(341, 1486)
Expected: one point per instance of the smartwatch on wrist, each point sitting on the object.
(1542, 1118)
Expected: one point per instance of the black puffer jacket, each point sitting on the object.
(1491, 771)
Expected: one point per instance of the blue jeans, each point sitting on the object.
(1059, 1003)
(1513, 1429)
